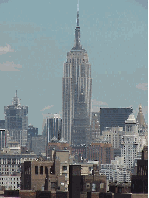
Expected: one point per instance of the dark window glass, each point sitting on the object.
(36, 170)
(41, 170)
(46, 170)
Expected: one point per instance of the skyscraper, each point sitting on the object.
(16, 121)
(76, 93)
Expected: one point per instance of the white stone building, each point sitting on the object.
(131, 142)
(10, 182)
(116, 171)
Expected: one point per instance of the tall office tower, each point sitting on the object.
(113, 117)
(16, 121)
(76, 93)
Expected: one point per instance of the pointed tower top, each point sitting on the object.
(77, 45)
(140, 108)
(15, 100)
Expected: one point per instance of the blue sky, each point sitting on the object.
(35, 37)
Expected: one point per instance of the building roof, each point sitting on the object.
(131, 119)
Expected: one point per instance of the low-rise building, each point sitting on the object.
(42, 175)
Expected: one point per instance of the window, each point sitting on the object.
(101, 185)
(53, 185)
(65, 174)
(46, 170)
(36, 170)
(41, 170)
(87, 185)
(64, 168)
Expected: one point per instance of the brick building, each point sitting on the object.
(102, 152)
(42, 175)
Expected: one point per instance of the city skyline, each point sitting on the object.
(33, 48)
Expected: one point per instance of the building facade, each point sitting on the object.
(16, 121)
(113, 117)
(42, 175)
(76, 94)
(102, 152)
(113, 135)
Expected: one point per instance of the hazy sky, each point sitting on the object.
(36, 35)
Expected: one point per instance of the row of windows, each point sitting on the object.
(41, 170)
(9, 178)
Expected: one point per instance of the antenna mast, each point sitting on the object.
(78, 14)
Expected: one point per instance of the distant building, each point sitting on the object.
(31, 132)
(79, 152)
(38, 144)
(102, 152)
(16, 121)
(113, 135)
(53, 126)
(10, 166)
(130, 142)
(140, 117)
(56, 146)
(113, 117)
(76, 94)
(116, 171)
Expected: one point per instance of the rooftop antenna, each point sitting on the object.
(16, 93)
(78, 14)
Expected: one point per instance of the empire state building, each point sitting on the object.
(76, 93)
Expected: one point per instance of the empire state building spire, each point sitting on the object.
(78, 14)
(77, 45)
